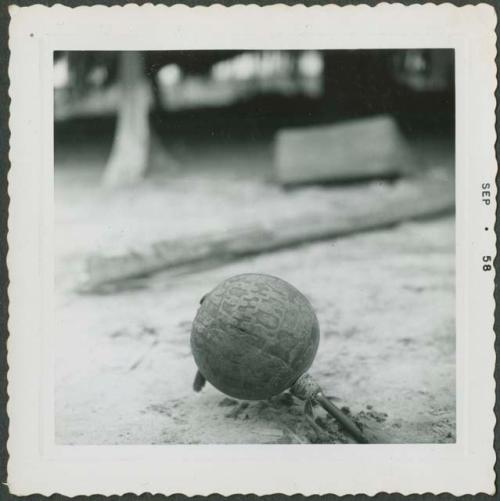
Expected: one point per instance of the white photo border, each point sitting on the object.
(36, 464)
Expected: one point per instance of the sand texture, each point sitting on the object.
(385, 303)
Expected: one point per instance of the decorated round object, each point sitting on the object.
(254, 336)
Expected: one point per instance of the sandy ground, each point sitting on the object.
(385, 303)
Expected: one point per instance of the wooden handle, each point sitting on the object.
(306, 388)
(342, 418)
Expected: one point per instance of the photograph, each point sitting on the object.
(254, 246)
(251, 250)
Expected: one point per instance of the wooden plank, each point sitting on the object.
(349, 151)
(409, 199)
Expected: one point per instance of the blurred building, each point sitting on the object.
(345, 82)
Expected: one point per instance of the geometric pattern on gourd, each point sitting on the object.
(254, 335)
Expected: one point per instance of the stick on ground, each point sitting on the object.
(427, 196)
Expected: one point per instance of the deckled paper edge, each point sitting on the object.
(24, 469)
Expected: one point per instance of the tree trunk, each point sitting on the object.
(135, 146)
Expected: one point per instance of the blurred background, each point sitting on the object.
(331, 169)
(230, 98)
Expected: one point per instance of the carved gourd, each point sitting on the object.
(255, 336)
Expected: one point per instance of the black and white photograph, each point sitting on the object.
(251, 250)
(254, 246)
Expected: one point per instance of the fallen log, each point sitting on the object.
(408, 199)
